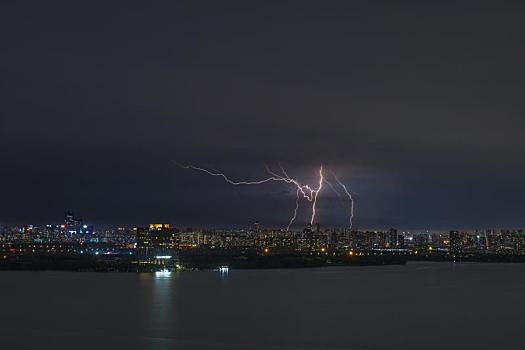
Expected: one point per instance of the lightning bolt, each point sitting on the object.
(258, 182)
(308, 192)
(305, 191)
(294, 211)
(349, 197)
(315, 193)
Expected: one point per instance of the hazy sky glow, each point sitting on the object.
(418, 106)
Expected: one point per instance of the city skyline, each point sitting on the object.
(297, 226)
(75, 244)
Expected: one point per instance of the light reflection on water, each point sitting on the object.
(334, 308)
(160, 310)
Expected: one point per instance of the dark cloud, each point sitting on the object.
(417, 105)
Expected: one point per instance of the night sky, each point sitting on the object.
(418, 106)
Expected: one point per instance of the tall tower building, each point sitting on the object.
(454, 241)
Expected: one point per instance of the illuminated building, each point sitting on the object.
(392, 238)
(454, 241)
(74, 225)
(159, 240)
(159, 226)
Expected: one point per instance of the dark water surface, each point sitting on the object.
(417, 306)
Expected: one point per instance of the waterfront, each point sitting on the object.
(413, 306)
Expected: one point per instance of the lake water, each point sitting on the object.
(417, 306)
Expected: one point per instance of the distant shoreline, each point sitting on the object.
(209, 261)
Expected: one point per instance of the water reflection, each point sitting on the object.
(160, 320)
(224, 271)
(163, 274)
(336, 308)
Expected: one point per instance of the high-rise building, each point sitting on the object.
(73, 225)
(159, 241)
(392, 238)
(400, 240)
(454, 241)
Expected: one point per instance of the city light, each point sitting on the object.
(161, 246)
(163, 273)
